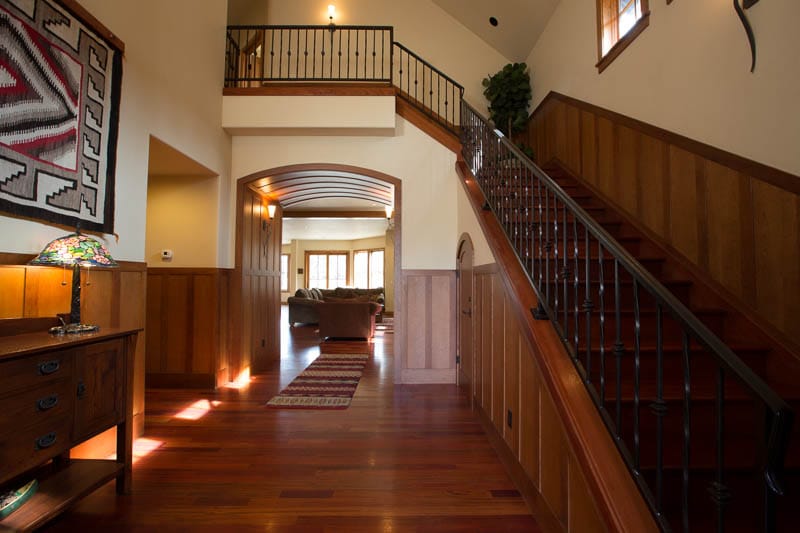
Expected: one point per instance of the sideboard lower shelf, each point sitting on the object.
(60, 490)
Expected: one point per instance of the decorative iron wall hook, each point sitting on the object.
(747, 4)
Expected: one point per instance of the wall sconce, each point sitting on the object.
(331, 14)
(75, 250)
(389, 211)
(266, 225)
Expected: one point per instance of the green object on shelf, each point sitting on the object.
(11, 501)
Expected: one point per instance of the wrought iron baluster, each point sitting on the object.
(305, 55)
(601, 296)
(659, 408)
(720, 493)
(548, 246)
(687, 403)
(556, 256)
(565, 275)
(576, 282)
(619, 347)
(637, 330)
(539, 222)
(588, 305)
(280, 57)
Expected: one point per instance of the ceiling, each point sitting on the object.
(519, 22)
(326, 229)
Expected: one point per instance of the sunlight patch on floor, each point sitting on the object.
(142, 447)
(241, 382)
(197, 410)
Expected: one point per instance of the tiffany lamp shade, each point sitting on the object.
(75, 250)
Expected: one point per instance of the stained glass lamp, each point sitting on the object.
(75, 250)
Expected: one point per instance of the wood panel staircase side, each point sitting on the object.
(616, 495)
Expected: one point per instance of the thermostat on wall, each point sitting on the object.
(166, 255)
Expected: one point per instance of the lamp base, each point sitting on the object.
(70, 329)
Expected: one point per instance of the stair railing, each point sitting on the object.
(256, 55)
(428, 88)
(672, 440)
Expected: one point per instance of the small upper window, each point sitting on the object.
(618, 23)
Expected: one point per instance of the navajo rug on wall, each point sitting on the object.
(328, 383)
(59, 106)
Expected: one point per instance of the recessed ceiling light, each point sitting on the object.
(493, 21)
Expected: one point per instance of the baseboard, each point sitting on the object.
(426, 375)
(538, 507)
(180, 381)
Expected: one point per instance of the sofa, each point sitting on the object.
(347, 319)
(303, 305)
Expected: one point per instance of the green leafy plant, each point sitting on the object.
(509, 94)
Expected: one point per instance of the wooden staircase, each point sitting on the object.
(629, 406)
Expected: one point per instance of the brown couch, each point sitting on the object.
(347, 320)
(303, 305)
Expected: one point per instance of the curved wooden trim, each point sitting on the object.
(614, 491)
(779, 178)
(313, 89)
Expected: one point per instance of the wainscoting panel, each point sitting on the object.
(185, 347)
(532, 439)
(709, 206)
(427, 349)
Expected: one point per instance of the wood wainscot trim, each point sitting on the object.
(759, 171)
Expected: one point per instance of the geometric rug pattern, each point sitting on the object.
(328, 383)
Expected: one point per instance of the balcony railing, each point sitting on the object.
(262, 55)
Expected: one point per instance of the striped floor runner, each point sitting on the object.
(328, 383)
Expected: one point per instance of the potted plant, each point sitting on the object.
(509, 94)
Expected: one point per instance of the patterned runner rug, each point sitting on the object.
(328, 383)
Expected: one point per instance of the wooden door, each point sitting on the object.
(465, 360)
(100, 389)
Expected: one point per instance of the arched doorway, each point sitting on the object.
(255, 294)
(465, 360)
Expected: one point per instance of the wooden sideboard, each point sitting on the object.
(56, 392)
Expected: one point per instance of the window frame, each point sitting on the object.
(603, 61)
(369, 252)
(288, 265)
(327, 254)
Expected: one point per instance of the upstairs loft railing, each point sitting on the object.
(602, 302)
(259, 55)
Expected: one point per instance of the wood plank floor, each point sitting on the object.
(400, 458)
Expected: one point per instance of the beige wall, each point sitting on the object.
(172, 75)
(247, 12)
(420, 25)
(468, 223)
(426, 168)
(182, 217)
(689, 72)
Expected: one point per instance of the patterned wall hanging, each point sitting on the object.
(59, 112)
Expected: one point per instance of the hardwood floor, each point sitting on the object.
(400, 458)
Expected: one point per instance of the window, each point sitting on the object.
(368, 268)
(284, 272)
(618, 24)
(326, 270)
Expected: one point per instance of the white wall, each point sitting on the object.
(420, 25)
(427, 169)
(171, 88)
(689, 72)
(468, 223)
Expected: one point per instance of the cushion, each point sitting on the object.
(316, 294)
(302, 293)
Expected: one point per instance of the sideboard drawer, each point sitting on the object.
(52, 401)
(20, 374)
(24, 448)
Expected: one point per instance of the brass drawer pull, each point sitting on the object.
(49, 367)
(45, 441)
(81, 389)
(47, 403)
